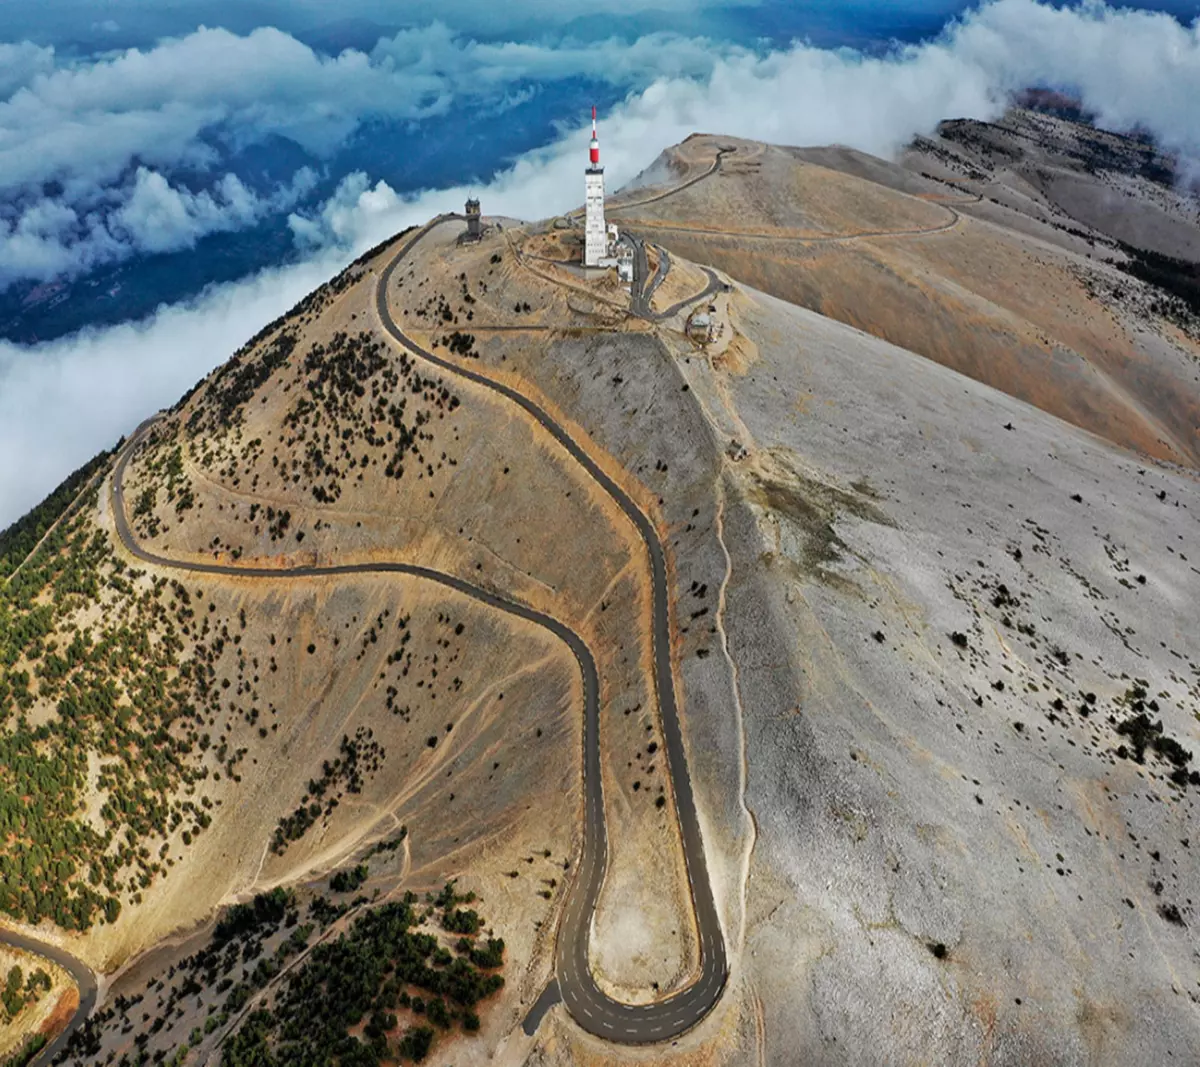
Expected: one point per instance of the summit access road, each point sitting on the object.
(641, 294)
(591, 1008)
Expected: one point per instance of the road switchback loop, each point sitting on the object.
(591, 1008)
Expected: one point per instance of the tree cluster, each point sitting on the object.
(382, 968)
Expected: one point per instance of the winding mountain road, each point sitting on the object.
(641, 295)
(593, 1009)
(660, 273)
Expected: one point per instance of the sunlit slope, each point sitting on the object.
(355, 451)
(301, 716)
(902, 257)
(207, 737)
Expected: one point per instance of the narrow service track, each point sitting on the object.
(807, 239)
(716, 165)
(654, 224)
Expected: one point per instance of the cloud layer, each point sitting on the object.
(96, 155)
(84, 122)
(61, 402)
(57, 236)
(108, 137)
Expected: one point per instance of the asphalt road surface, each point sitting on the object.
(640, 294)
(79, 971)
(660, 275)
(592, 1008)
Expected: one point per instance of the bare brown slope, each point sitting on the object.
(351, 451)
(917, 269)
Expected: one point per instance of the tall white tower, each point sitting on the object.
(594, 232)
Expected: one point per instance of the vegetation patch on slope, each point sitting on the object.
(22, 537)
(346, 1003)
(1178, 279)
(25, 1054)
(292, 976)
(359, 755)
(21, 990)
(81, 634)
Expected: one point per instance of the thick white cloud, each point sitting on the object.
(88, 125)
(158, 217)
(59, 403)
(436, 55)
(19, 63)
(1133, 68)
(87, 121)
(51, 237)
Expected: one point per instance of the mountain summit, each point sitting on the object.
(785, 655)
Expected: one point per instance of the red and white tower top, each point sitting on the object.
(595, 147)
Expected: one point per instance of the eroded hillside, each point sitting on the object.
(975, 787)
